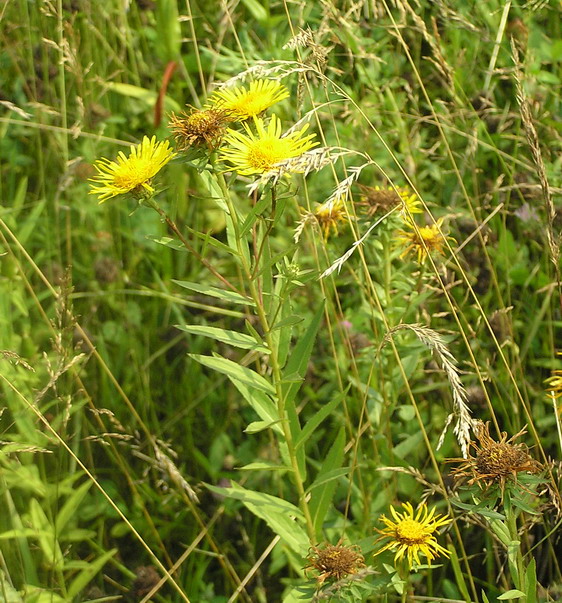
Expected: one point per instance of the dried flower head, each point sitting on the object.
(198, 128)
(243, 103)
(257, 152)
(334, 562)
(494, 462)
(377, 200)
(412, 532)
(422, 240)
(132, 174)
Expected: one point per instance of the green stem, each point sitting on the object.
(172, 226)
(518, 571)
(274, 362)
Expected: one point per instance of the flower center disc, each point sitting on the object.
(265, 153)
(409, 531)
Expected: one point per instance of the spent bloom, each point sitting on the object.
(495, 462)
(243, 103)
(257, 152)
(198, 128)
(422, 240)
(334, 562)
(413, 532)
(132, 174)
(377, 200)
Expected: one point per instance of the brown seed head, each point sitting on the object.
(495, 462)
(377, 200)
(334, 562)
(198, 128)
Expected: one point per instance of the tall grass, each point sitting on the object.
(198, 405)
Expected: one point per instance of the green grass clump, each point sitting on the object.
(300, 351)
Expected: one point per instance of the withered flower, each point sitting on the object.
(494, 462)
(377, 200)
(334, 562)
(199, 128)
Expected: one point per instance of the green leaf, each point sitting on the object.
(531, 581)
(46, 536)
(257, 10)
(148, 97)
(314, 421)
(480, 508)
(253, 214)
(261, 403)
(257, 426)
(87, 574)
(298, 360)
(264, 466)
(168, 30)
(232, 369)
(328, 477)
(276, 512)
(321, 495)
(511, 594)
(239, 340)
(289, 321)
(167, 242)
(227, 296)
(71, 505)
(8, 594)
(461, 584)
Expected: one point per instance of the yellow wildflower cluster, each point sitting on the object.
(252, 151)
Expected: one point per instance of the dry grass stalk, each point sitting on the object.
(163, 463)
(267, 69)
(310, 161)
(15, 359)
(533, 140)
(461, 411)
(337, 265)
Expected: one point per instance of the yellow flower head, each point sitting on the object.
(198, 128)
(241, 103)
(555, 382)
(412, 532)
(423, 240)
(257, 152)
(132, 174)
(329, 215)
(381, 200)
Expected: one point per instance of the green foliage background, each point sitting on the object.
(96, 375)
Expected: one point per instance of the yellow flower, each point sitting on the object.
(258, 152)
(327, 216)
(423, 241)
(132, 174)
(241, 103)
(555, 382)
(412, 533)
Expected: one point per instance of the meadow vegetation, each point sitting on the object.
(281, 297)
